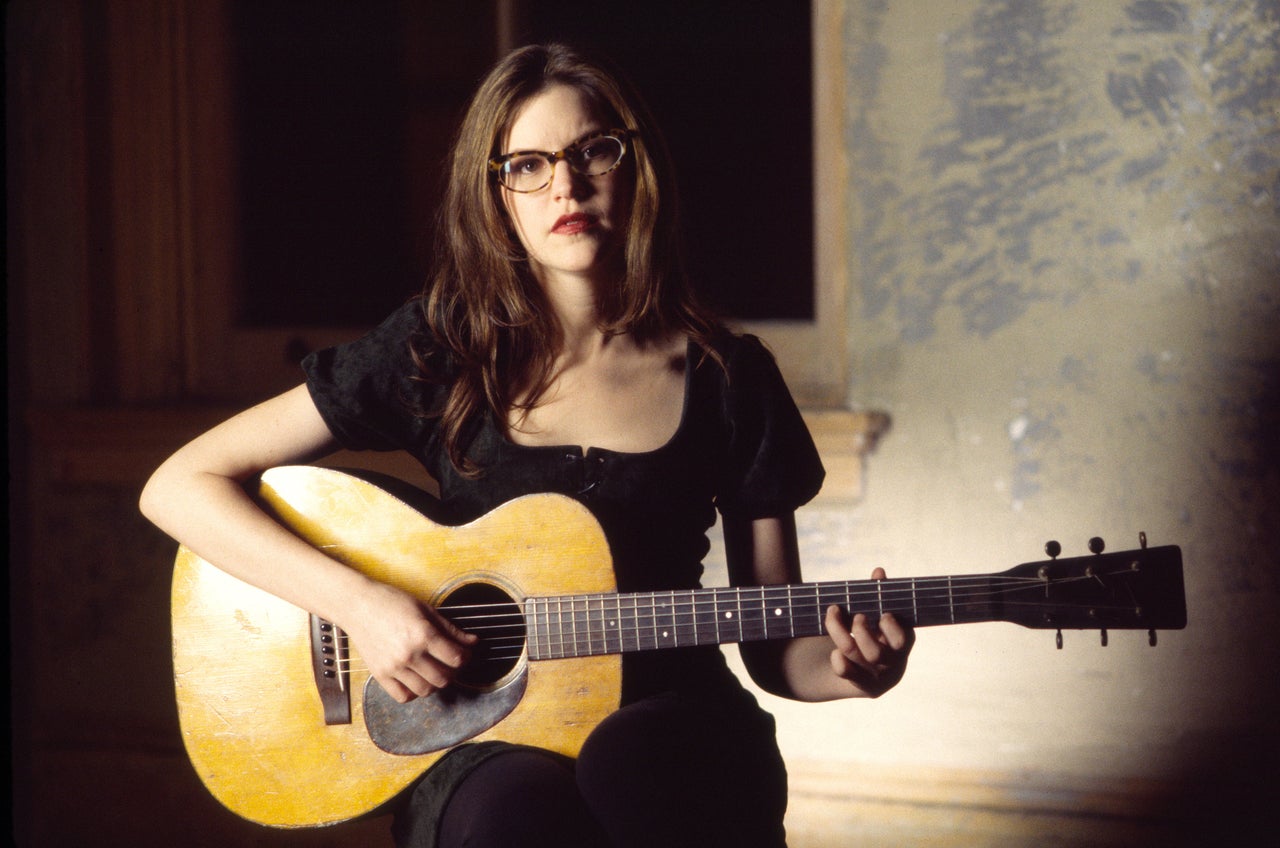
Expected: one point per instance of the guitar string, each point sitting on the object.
(683, 602)
(696, 598)
(644, 618)
(645, 614)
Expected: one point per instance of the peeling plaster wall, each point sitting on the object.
(1065, 274)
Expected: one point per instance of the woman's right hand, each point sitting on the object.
(409, 647)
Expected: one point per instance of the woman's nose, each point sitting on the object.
(566, 182)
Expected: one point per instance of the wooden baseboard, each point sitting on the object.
(872, 804)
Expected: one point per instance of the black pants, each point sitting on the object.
(665, 772)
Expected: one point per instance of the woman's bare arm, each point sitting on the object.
(854, 659)
(197, 496)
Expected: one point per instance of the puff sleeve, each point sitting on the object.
(771, 464)
(365, 390)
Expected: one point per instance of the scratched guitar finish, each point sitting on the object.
(534, 580)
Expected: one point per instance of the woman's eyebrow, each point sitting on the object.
(578, 140)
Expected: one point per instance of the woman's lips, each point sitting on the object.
(576, 223)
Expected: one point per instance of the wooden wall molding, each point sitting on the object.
(121, 446)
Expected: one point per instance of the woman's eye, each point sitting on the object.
(594, 150)
(525, 165)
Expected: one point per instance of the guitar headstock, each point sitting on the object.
(1139, 589)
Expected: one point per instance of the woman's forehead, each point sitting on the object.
(552, 119)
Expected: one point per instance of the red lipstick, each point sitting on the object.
(570, 224)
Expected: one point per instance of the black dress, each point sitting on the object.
(741, 447)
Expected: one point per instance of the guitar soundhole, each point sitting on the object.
(488, 612)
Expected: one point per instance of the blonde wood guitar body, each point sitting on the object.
(248, 702)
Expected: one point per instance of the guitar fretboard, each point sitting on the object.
(589, 625)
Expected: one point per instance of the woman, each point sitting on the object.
(557, 348)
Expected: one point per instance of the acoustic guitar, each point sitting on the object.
(285, 728)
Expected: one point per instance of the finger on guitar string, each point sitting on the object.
(860, 642)
(871, 655)
(896, 636)
(410, 648)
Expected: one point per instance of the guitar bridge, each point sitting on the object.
(329, 665)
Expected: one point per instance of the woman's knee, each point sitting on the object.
(521, 797)
(665, 774)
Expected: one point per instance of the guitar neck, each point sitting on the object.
(587, 625)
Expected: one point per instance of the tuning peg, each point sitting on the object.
(1104, 637)
(1096, 545)
(1052, 548)
(1151, 637)
(1142, 539)
(1058, 640)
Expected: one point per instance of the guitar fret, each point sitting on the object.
(531, 628)
(570, 625)
(715, 613)
(838, 595)
(550, 611)
(766, 610)
(595, 624)
(613, 633)
(675, 629)
(552, 629)
(582, 625)
(601, 622)
(779, 613)
(673, 618)
(653, 621)
(752, 612)
(572, 644)
(904, 608)
(537, 627)
(559, 648)
(580, 610)
(933, 603)
(730, 617)
(775, 606)
(702, 615)
(604, 623)
(634, 627)
(620, 623)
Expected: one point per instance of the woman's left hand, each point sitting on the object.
(873, 657)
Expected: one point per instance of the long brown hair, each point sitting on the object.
(482, 306)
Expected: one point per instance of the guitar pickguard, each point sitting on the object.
(440, 720)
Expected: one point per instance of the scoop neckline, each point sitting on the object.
(586, 451)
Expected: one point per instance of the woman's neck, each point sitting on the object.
(576, 305)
